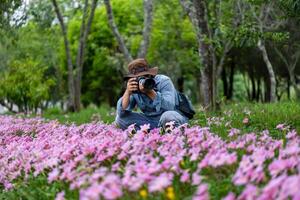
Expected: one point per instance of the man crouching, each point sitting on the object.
(154, 94)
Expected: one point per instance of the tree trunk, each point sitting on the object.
(267, 89)
(204, 53)
(7, 105)
(253, 97)
(231, 79)
(71, 87)
(148, 15)
(290, 66)
(84, 32)
(79, 56)
(247, 86)
(205, 88)
(257, 90)
(272, 91)
(116, 32)
(288, 88)
(294, 84)
(225, 83)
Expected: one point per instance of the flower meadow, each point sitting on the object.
(101, 161)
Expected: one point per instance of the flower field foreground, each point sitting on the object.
(103, 162)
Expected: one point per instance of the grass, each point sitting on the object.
(104, 113)
(37, 188)
(261, 117)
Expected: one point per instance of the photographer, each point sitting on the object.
(153, 93)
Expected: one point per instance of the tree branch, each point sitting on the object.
(282, 57)
(84, 31)
(68, 54)
(116, 32)
(189, 9)
(81, 37)
(148, 15)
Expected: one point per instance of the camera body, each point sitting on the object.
(148, 83)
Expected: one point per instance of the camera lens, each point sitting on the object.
(141, 81)
(149, 83)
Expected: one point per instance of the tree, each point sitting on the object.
(289, 51)
(148, 13)
(174, 47)
(261, 23)
(19, 87)
(215, 32)
(7, 9)
(262, 14)
(74, 81)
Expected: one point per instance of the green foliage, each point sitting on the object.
(175, 54)
(29, 67)
(25, 85)
(41, 12)
(291, 8)
(173, 46)
(102, 71)
(7, 9)
(247, 35)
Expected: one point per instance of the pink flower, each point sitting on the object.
(280, 126)
(131, 129)
(170, 126)
(91, 193)
(53, 175)
(292, 134)
(159, 183)
(246, 120)
(60, 196)
(230, 196)
(271, 190)
(185, 177)
(145, 128)
(196, 178)
(249, 193)
(233, 132)
(8, 185)
(201, 193)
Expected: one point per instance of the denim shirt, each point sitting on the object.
(166, 99)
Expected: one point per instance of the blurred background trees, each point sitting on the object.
(214, 51)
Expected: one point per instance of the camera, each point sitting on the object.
(148, 83)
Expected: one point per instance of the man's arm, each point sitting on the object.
(126, 102)
(164, 98)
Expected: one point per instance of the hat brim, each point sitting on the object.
(151, 71)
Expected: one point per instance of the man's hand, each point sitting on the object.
(150, 93)
(132, 86)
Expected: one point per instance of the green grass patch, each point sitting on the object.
(37, 188)
(261, 117)
(86, 115)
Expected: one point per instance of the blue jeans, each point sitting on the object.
(127, 118)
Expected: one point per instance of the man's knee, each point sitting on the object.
(169, 116)
(118, 122)
(123, 121)
(127, 119)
